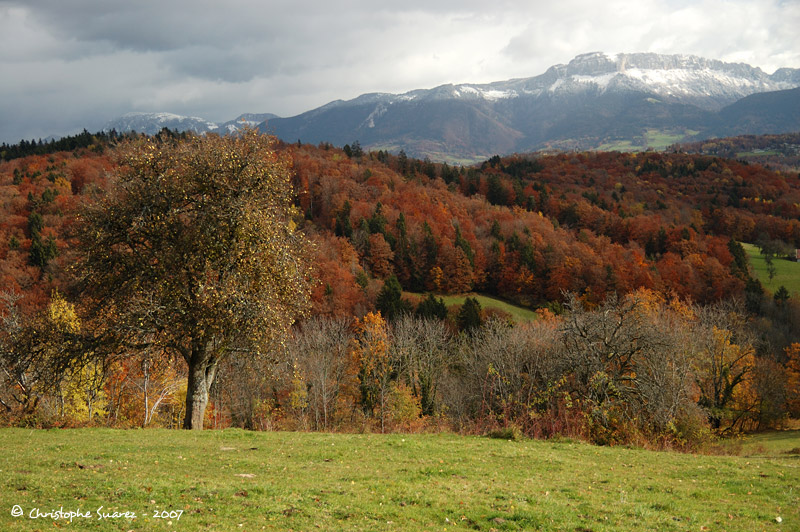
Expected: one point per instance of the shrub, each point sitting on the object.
(511, 432)
(404, 408)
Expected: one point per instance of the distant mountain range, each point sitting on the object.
(152, 123)
(624, 101)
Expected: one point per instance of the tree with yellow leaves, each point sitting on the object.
(725, 358)
(39, 353)
(372, 352)
(81, 391)
(193, 250)
(793, 379)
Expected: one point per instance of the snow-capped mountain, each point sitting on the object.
(709, 84)
(152, 123)
(594, 100)
(251, 120)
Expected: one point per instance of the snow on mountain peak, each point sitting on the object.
(152, 123)
(707, 83)
(486, 92)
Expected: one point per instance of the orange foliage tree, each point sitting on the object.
(374, 357)
(793, 379)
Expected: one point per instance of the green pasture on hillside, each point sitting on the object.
(237, 480)
(787, 271)
(758, 153)
(652, 139)
(520, 314)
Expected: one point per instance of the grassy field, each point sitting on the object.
(758, 153)
(620, 145)
(787, 272)
(653, 138)
(520, 314)
(237, 480)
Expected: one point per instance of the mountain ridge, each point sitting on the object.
(594, 99)
(152, 123)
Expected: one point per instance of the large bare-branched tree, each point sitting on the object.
(629, 356)
(421, 347)
(193, 249)
(320, 349)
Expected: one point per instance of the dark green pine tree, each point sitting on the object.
(377, 222)
(781, 296)
(42, 252)
(739, 264)
(390, 301)
(461, 242)
(404, 265)
(343, 226)
(753, 295)
(431, 307)
(469, 317)
(496, 193)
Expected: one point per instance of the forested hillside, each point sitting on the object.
(651, 238)
(528, 228)
(779, 152)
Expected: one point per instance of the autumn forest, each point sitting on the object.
(650, 326)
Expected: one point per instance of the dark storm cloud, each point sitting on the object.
(185, 35)
(71, 64)
(147, 26)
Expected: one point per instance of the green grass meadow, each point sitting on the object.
(238, 480)
(651, 139)
(787, 272)
(520, 314)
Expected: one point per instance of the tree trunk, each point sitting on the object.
(146, 377)
(201, 377)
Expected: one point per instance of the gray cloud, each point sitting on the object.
(70, 65)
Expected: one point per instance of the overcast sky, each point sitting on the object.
(66, 65)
